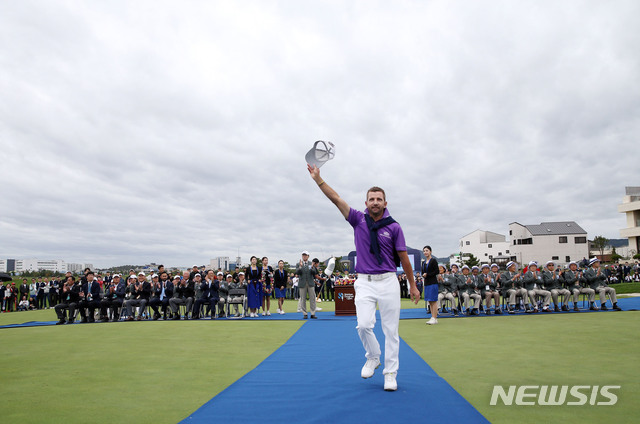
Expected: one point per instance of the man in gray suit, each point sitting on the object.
(306, 284)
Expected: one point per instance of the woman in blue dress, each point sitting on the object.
(253, 275)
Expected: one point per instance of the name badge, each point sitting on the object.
(487, 288)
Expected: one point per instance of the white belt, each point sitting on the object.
(376, 277)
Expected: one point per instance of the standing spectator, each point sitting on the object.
(267, 286)
(306, 285)
(295, 280)
(43, 295)
(404, 290)
(280, 278)
(254, 287)
(3, 290)
(430, 271)
(33, 290)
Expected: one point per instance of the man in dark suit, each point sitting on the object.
(209, 289)
(140, 294)
(113, 298)
(163, 291)
(90, 298)
(69, 298)
(183, 295)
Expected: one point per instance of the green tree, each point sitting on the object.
(636, 256)
(600, 243)
(471, 261)
(615, 257)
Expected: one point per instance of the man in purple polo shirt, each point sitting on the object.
(380, 247)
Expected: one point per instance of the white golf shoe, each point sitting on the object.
(432, 321)
(390, 383)
(370, 367)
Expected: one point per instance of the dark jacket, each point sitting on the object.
(431, 270)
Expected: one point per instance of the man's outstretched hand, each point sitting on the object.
(314, 171)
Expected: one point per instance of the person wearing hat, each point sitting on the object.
(467, 290)
(574, 282)
(209, 294)
(508, 281)
(553, 282)
(380, 249)
(447, 285)
(533, 284)
(183, 293)
(113, 298)
(161, 293)
(140, 292)
(598, 282)
(490, 288)
(306, 285)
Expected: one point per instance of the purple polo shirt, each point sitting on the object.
(388, 237)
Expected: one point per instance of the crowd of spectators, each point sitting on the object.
(201, 291)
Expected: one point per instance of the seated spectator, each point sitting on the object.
(69, 298)
(183, 294)
(163, 293)
(209, 294)
(574, 282)
(508, 281)
(113, 298)
(489, 288)
(598, 282)
(223, 292)
(467, 290)
(140, 294)
(24, 304)
(447, 284)
(89, 298)
(240, 285)
(553, 282)
(534, 286)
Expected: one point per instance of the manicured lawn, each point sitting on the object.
(147, 372)
(474, 354)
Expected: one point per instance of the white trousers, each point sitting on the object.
(385, 293)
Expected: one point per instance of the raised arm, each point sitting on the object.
(331, 194)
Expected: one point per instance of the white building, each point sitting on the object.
(219, 262)
(562, 242)
(78, 268)
(484, 245)
(631, 208)
(54, 265)
(3, 265)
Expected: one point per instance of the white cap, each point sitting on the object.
(465, 266)
(154, 276)
(533, 263)
(549, 263)
(141, 273)
(197, 274)
(485, 266)
(177, 277)
(496, 265)
(220, 273)
(304, 252)
(593, 261)
(573, 263)
(510, 263)
(241, 273)
(132, 276)
(116, 275)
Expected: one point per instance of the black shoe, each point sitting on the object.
(314, 317)
(304, 317)
(474, 312)
(156, 317)
(61, 322)
(604, 308)
(546, 310)
(455, 313)
(83, 321)
(511, 311)
(565, 308)
(499, 311)
(488, 312)
(556, 309)
(616, 307)
(177, 317)
(444, 310)
(528, 310)
(575, 308)
(593, 308)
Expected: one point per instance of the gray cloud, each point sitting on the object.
(175, 132)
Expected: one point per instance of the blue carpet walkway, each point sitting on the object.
(315, 378)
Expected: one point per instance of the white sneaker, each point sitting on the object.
(299, 310)
(432, 321)
(264, 313)
(319, 300)
(268, 313)
(277, 310)
(318, 309)
(390, 383)
(281, 312)
(369, 367)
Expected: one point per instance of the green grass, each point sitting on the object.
(162, 371)
(474, 354)
(148, 372)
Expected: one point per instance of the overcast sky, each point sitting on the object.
(175, 131)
